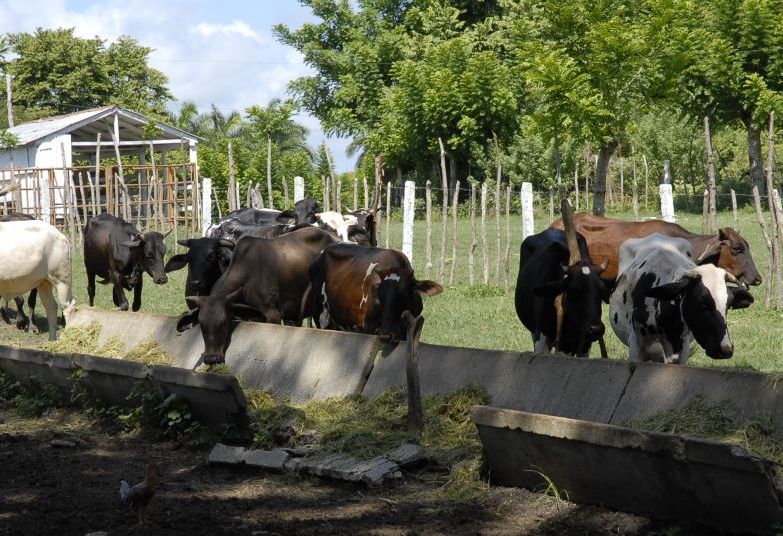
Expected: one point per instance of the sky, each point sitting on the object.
(220, 52)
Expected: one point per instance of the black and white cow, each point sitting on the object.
(663, 300)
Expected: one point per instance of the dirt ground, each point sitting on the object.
(74, 490)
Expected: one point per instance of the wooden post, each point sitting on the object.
(667, 202)
(646, 175)
(473, 241)
(332, 177)
(376, 196)
(576, 185)
(388, 212)
(635, 201)
(269, 194)
(428, 198)
(622, 181)
(98, 175)
(415, 419)
(285, 193)
(366, 193)
(713, 216)
(206, 205)
(67, 197)
(327, 194)
(93, 194)
(498, 204)
(84, 199)
(454, 210)
(355, 193)
(115, 138)
(551, 205)
(299, 189)
(158, 188)
(408, 213)
(338, 194)
(444, 214)
(776, 224)
(46, 207)
(705, 211)
(9, 101)
(734, 209)
(767, 240)
(526, 197)
(508, 234)
(232, 185)
(776, 243)
(484, 252)
(248, 201)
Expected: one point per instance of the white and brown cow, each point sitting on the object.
(35, 255)
(663, 301)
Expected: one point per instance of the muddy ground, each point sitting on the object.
(73, 490)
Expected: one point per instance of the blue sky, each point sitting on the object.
(212, 52)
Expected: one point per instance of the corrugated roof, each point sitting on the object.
(47, 126)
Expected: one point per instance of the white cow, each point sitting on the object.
(339, 223)
(34, 254)
(663, 300)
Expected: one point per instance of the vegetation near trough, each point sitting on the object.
(700, 418)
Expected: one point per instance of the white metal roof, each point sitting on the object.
(85, 124)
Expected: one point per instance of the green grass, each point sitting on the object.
(480, 316)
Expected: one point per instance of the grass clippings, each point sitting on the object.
(367, 427)
(84, 340)
(699, 418)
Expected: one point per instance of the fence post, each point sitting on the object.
(667, 202)
(734, 209)
(285, 193)
(526, 197)
(484, 245)
(428, 198)
(409, 203)
(508, 232)
(454, 238)
(388, 211)
(355, 193)
(206, 205)
(473, 243)
(366, 193)
(46, 211)
(299, 192)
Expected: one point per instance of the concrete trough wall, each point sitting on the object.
(299, 363)
(215, 399)
(660, 475)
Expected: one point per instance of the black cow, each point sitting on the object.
(266, 281)
(258, 215)
(234, 229)
(207, 259)
(116, 251)
(304, 211)
(23, 322)
(366, 289)
(365, 225)
(544, 274)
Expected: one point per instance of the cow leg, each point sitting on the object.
(47, 298)
(24, 322)
(91, 287)
(635, 353)
(541, 344)
(4, 312)
(137, 295)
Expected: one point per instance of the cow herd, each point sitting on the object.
(664, 285)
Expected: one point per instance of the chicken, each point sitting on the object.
(138, 497)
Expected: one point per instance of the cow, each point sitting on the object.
(727, 249)
(366, 289)
(266, 281)
(545, 274)
(117, 252)
(23, 322)
(304, 212)
(234, 229)
(35, 255)
(365, 224)
(207, 259)
(663, 301)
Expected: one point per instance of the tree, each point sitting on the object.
(728, 65)
(56, 72)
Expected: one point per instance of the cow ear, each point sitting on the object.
(712, 249)
(135, 241)
(185, 243)
(232, 296)
(723, 234)
(739, 298)
(177, 262)
(286, 215)
(608, 288)
(194, 302)
(246, 312)
(550, 289)
(374, 279)
(428, 288)
(669, 291)
(188, 320)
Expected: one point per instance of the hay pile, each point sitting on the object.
(84, 340)
(714, 421)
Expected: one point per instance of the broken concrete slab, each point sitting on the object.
(406, 455)
(221, 453)
(299, 363)
(270, 460)
(372, 472)
(655, 388)
(660, 475)
(552, 384)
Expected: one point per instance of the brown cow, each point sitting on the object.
(365, 289)
(727, 250)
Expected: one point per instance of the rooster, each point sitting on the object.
(138, 497)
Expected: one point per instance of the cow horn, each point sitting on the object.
(568, 226)
(167, 233)
(731, 279)
(224, 242)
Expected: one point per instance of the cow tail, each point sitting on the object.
(303, 305)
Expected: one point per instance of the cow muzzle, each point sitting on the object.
(596, 331)
(161, 280)
(212, 359)
(724, 351)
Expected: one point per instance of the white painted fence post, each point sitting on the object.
(298, 189)
(44, 193)
(667, 203)
(526, 196)
(407, 219)
(206, 205)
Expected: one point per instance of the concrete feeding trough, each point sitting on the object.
(214, 399)
(664, 476)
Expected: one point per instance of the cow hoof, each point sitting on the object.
(124, 307)
(23, 325)
(32, 328)
(4, 316)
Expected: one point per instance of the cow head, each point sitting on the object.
(704, 300)
(364, 230)
(216, 315)
(303, 213)
(150, 250)
(582, 289)
(731, 252)
(392, 294)
(206, 259)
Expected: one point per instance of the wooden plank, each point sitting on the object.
(444, 212)
(428, 199)
(473, 242)
(484, 245)
(454, 210)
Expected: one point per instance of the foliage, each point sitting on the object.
(30, 396)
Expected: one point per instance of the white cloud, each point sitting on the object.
(237, 27)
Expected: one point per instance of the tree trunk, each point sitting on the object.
(269, 171)
(754, 155)
(599, 188)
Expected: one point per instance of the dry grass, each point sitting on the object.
(715, 421)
